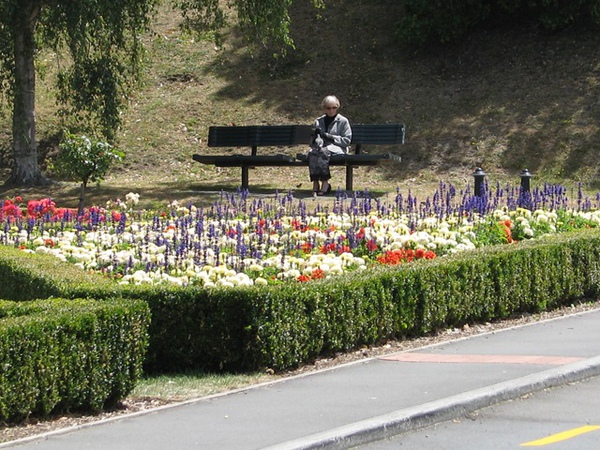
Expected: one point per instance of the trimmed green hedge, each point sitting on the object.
(283, 326)
(28, 276)
(59, 355)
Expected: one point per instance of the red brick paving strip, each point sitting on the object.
(485, 359)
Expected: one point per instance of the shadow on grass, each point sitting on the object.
(160, 195)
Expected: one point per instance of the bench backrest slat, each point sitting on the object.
(259, 135)
(378, 134)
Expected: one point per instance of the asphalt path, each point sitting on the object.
(565, 418)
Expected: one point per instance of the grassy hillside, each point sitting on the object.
(503, 100)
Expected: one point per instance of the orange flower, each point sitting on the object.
(429, 254)
(307, 247)
(343, 249)
(318, 274)
(506, 227)
(392, 257)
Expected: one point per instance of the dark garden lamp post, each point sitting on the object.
(526, 177)
(479, 175)
(525, 194)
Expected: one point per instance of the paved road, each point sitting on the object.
(566, 417)
(360, 402)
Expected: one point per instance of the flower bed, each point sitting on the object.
(242, 241)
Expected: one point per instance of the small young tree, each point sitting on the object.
(85, 159)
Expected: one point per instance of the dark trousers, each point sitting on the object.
(318, 164)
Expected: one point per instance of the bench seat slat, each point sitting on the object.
(244, 160)
(361, 159)
(285, 160)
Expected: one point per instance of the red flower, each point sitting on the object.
(318, 274)
(507, 228)
(37, 208)
(429, 254)
(371, 245)
(307, 247)
(343, 249)
(303, 278)
(327, 248)
(61, 212)
(299, 226)
(392, 257)
(9, 208)
(360, 234)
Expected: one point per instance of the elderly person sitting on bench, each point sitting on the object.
(332, 135)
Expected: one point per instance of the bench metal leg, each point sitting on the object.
(245, 177)
(349, 176)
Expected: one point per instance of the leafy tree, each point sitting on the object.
(441, 20)
(85, 159)
(427, 21)
(262, 21)
(100, 43)
(99, 40)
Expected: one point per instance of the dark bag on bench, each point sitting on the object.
(318, 161)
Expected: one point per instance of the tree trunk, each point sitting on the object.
(81, 203)
(25, 170)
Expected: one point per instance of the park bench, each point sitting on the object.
(255, 136)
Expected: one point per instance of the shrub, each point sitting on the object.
(59, 355)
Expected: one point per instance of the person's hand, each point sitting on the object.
(328, 136)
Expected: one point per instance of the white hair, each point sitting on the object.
(330, 100)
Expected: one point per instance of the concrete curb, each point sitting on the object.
(397, 422)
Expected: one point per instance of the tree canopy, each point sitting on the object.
(262, 21)
(99, 51)
(442, 21)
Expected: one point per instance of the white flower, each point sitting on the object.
(132, 199)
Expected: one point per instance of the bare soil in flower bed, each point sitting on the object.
(133, 404)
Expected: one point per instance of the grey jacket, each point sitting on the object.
(340, 131)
